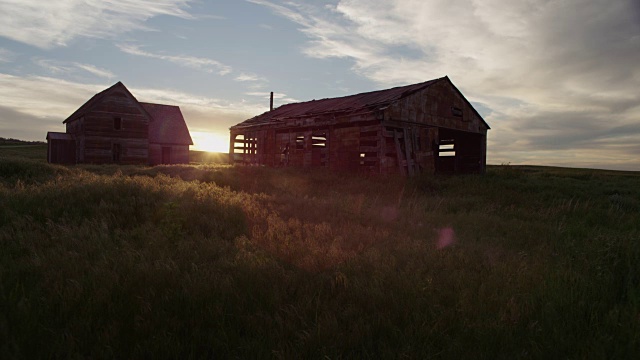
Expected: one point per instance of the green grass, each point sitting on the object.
(214, 261)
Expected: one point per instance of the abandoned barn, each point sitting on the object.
(426, 127)
(114, 127)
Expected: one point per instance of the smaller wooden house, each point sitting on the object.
(427, 127)
(113, 127)
(169, 138)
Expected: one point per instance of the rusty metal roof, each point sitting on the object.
(167, 125)
(369, 101)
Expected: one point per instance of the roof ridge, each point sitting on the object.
(425, 83)
(82, 109)
(150, 103)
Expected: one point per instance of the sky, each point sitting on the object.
(558, 81)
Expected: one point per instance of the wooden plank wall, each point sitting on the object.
(408, 149)
(61, 151)
(179, 154)
(433, 106)
(403, 138)
(100, 134)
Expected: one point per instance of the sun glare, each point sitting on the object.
(210, 141)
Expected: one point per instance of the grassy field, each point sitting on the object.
(213, 261)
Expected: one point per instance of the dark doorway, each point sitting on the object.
(319, 148)
(166, 155)
(460, 152)
(116, 151)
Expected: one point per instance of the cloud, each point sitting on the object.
(556, 78)
(248, 77)
(6, 55)
(208, 17)
(57, 67)
(53, 66)
(47, 24)
(95, 70)
(55, 97)
(197, 63)
(19, 125)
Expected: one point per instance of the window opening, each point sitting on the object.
(446, 148)
(238, 144)
(368, 158)
(117, 123)
(300, 142)
(319, 140)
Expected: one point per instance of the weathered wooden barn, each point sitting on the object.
(113, 127)
(427, 127)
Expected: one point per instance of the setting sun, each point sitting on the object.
(210, 141)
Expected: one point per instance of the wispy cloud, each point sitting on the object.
(208, 17)
(197, 63)
(57, 67)
(53, 66)
(57, 98)
(556, 66)
(95, 70)
(46, 24)
(248, 77)
(6, 55)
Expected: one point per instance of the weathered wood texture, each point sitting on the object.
(434, 106)
(61, 151)
(113, 127)
(433, 129)
(173, 154)
(117, 120)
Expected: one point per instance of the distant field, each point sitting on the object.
(216, 261)
(39, 152)
(204, 157)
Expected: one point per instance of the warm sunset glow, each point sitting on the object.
(210, 141)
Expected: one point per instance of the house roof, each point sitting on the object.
(58, 136)
(368, 101)
(95, 99)
(167, 125)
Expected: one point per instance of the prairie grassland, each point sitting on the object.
(213, 261)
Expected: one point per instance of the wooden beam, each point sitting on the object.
(399, 152)
(408, 150)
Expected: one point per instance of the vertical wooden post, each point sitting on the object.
(408, 150)
(399, 155)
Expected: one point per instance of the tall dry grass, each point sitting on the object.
(215, 261)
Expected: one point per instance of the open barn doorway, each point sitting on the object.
(460, 152)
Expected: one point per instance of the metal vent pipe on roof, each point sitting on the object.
(271, 102)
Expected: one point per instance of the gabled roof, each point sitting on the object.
(95, 99)
(167, 125)
(368, 101)
(358, 103)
